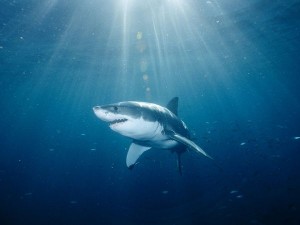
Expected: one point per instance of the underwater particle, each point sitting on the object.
(51, 149)
(148, 93)
(143, 65)
(82, 134)
(21, 38)
(243, 143)
(139, 35)
(27, 195)
(1, 47)
(93, 149)
(296, 138)
(236, 194)
(165, 192)
(73, 202)
(145, 77)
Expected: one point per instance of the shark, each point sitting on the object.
(149, 126)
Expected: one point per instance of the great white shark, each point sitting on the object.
(149, 126)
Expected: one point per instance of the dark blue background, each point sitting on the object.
(234, 66)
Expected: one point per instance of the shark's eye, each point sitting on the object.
(115, 108)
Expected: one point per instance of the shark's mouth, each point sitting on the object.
(117, 121)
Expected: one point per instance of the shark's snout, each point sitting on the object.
(99, 112)
(95, 108)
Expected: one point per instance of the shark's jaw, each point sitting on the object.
(117, 121)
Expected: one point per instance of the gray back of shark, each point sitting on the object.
(149, 126)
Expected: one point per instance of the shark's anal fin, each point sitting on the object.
(187, 142)
(134, 152)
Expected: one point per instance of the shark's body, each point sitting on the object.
(149, 126)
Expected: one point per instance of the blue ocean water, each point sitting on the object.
(234, 66)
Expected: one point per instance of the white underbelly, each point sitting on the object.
(151, 134)
(161, 141)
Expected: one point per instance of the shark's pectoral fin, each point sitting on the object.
(134, 152)
(187, 142)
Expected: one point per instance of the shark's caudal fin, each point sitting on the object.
(186, 142)
(134, 152)
(173, 105)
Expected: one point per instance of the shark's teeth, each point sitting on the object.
(118, 121)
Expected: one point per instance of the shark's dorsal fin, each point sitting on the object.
(134, 152)
(173, 105)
